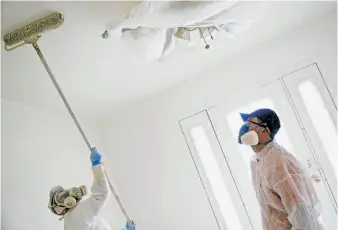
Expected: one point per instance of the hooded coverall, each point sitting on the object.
(85, 215)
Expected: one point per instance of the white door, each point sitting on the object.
(280, 96)
(317, 112)
(221, 190)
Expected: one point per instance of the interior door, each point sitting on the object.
(226, 122)
(316, 109)
(221, 189)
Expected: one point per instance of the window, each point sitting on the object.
(321, 119)
(214, 176)
(235, 122)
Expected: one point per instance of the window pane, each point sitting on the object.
(214, 176)
(235, 122)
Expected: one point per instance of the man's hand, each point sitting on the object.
(315, 178)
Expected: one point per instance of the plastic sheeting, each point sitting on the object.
(285, 191)
(152, 25)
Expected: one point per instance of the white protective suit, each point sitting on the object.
(85, 215)
(285, 191)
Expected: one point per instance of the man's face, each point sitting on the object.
(263, 133)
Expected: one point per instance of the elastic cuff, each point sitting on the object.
(98, 171)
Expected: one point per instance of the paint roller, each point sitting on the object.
(30, 34)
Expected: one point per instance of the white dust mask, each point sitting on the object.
(250, 138)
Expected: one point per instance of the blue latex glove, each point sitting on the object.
(130, 225)
(95, 157)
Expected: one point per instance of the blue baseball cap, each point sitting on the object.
(267, 116)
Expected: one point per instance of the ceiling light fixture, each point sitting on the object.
(185, 32)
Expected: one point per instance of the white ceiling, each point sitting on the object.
(98, 75)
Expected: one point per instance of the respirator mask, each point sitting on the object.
(250, 137)
(62, 200)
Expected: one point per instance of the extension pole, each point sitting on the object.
(58, 88)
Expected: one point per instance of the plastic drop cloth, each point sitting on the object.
(152, 25)
(285, 191)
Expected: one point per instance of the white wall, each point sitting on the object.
(41, 149)
(148, 156)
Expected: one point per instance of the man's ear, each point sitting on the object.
(266, 132)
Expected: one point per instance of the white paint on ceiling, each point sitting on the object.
(99, 76)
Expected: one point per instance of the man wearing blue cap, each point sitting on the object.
(284, 190)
